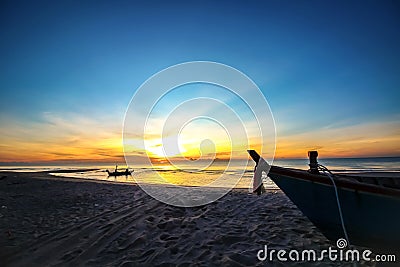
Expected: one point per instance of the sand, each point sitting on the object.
(48, 221)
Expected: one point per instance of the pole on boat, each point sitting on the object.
(313, 155)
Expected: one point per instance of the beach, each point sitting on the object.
(48, 221)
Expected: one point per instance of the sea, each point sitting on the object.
(190, 174)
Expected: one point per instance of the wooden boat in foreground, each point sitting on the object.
(370, 206)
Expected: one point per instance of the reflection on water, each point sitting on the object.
(216, 175)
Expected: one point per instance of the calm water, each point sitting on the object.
(213, 175)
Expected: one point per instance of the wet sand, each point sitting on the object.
(48, 221)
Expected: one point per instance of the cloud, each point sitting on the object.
(362, 140)
(60, 136)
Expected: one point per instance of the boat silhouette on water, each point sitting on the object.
(115, 173)
(365, 210)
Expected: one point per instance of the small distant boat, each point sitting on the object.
(119, 173)
(370, 206)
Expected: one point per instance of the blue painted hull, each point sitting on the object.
(371, 217)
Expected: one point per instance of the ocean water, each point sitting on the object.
(217, 174)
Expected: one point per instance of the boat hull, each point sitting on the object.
(125, 173)
(371, 219)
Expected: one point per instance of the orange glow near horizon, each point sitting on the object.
(33, 152)
(49, 145)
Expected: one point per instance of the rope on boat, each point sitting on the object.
(330, 175)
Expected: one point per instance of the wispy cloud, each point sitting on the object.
(65, 136)
(368, 139)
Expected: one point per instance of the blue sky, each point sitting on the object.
(320, 64)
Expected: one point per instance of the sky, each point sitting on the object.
(330, 71)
